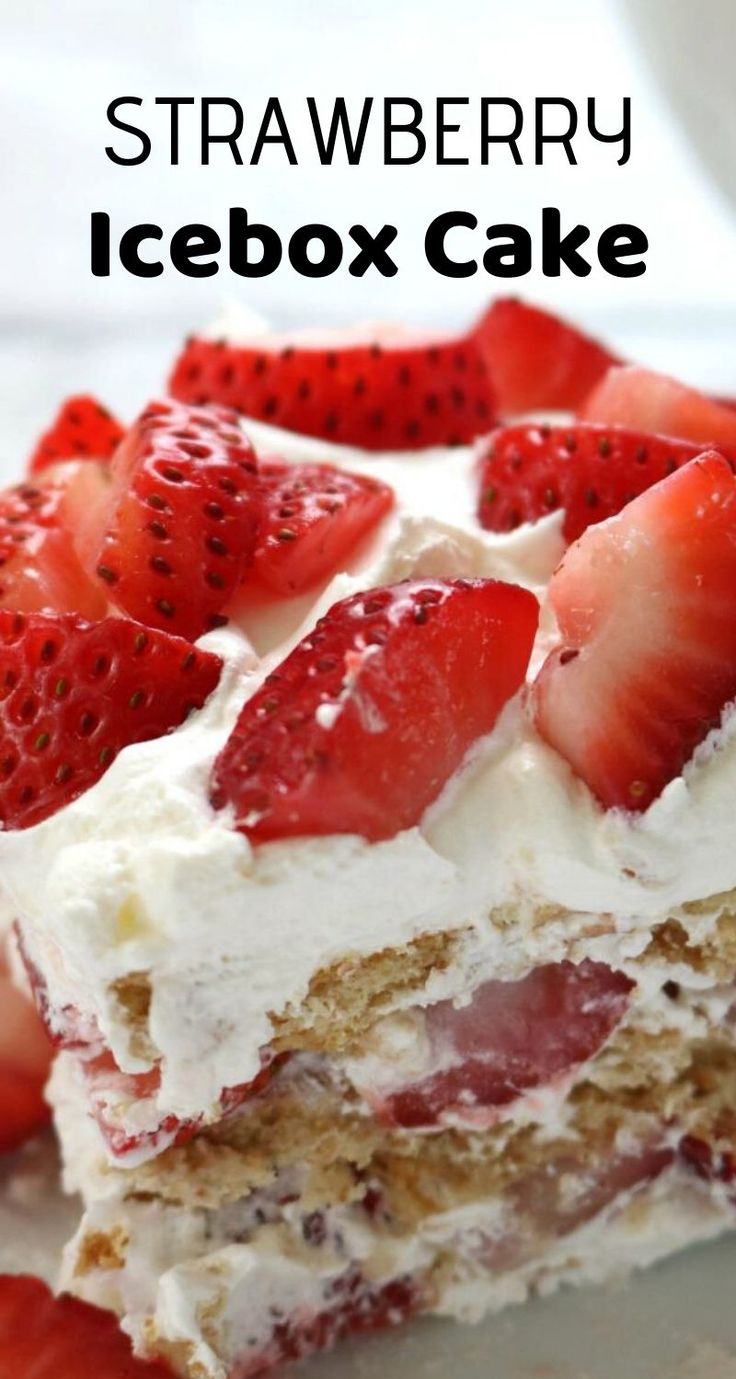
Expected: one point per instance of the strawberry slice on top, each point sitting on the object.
(312, 516)
(358, 730)
(388, 392)
(589, 471)
(43, 1337)
(535, 360)
(180, 527)
(647, 616)
(41, 562)
(653, 402)
(82, 429)
(73, 693)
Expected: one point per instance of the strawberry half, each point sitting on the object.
(312, 515)
(40, 562)
(653, 402)
(535, 360)
(25, 1058)
(180, 528)
(73, 693)
(380, 395)
(43, 1337)
(82, 429)
(360, 727)
(591, 472)
(646, 611)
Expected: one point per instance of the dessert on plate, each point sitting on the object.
(367, 768)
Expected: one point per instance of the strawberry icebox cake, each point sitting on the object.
(367, 782)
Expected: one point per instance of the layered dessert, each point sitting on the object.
(367, 777)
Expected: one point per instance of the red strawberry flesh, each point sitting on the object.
(41, 564)
(312, 516)
(73, 693)
(181, 523)
(360, 727)
(535, 360)
(589, 471)
(653, 402)
(25, 1057)
(645, 608)
(511, 1037)
(82, 429)
(397, 395)
(43, 1337)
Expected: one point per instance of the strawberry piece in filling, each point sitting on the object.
(389, 393)
(352, 1306)
(512, 1038)
(111, 1093)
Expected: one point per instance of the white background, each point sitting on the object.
(64, 60)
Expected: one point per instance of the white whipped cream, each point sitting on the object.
(139, 875)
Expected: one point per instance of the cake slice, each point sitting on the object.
(398, 977)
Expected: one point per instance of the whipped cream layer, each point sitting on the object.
(140, 877)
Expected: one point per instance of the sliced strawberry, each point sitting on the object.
(25, 1058)
(73, 693)
(109, 1090)
(713, 1162)
(646, 611)
(591, 472)
(360, 727)
(535, 360)
(312, 515)
(82, 429)
(181, 524)
(43, 1337)
(40, 561)
(381, 395)
(653, 402)
(511, 1037)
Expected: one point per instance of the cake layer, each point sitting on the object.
(294, 1221)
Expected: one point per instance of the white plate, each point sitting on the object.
(677, 1321)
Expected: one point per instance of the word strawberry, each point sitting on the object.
(73, 693)
(312, 515)
(181, 524)
(43, 1337)
(379, 395)
(82, 429)
(653, 402)
(536, 360)
(645, 607)
(40, 560)
(25, 1057)
(590, 472)
(364, 722)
